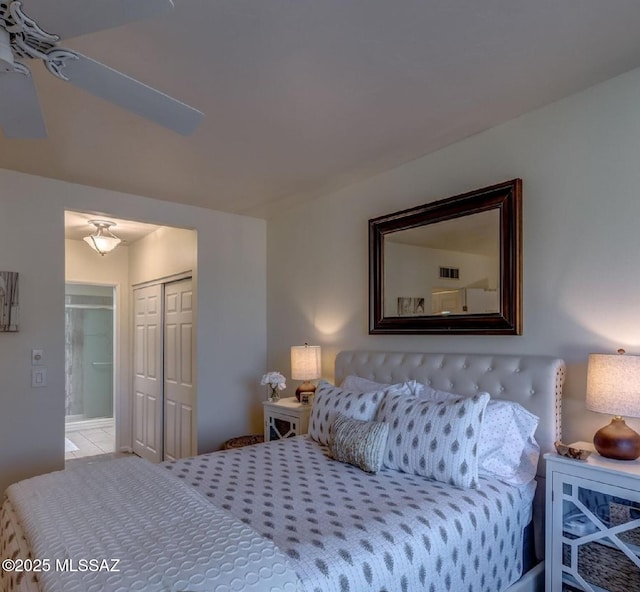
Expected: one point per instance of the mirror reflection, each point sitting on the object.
(446, 268)
(452, 266)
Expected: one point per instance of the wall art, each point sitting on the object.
(9, 303)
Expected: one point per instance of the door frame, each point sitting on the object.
(167, 279)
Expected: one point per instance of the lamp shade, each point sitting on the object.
(305, 362)
(613, 384)
(102, 240)
(102, 244)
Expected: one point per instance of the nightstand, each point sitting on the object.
(285, 418)
(592, 524)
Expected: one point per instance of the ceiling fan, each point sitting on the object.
(33, 32)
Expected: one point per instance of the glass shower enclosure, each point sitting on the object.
(89, 343)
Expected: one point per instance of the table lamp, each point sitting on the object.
(305, 365)
(613, 387)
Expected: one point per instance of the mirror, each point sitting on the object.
(450, 266)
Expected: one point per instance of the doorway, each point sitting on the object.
(149, 254)
(89, 370)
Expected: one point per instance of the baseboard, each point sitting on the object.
(89, 424)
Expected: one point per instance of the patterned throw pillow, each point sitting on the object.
(507, 449)
(435, 439)
(330, 400)
(359, 443)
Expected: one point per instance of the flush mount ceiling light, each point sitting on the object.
(102, 240)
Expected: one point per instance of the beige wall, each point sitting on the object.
(578, 159)
(164, 252)
(231, 327)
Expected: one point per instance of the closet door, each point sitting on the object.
(147, 347)
(178, 370)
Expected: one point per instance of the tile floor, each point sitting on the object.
(91, 442)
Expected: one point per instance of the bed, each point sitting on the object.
(284, 515)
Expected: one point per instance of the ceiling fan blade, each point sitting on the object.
(72, 18)
(20, 113)
(131, 94)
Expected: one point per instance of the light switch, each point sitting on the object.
(38, 377)
(37, 357)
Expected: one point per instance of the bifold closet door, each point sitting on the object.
(148, 373)
(178, 370)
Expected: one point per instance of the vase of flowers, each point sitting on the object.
(276, 383)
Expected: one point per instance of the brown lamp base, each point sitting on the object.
(617, 440)
(305, 387)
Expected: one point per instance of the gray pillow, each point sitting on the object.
(435, 439)
(359, 443)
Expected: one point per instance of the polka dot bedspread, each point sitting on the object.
(345, 530)
(341, 529)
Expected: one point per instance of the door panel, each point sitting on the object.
(138, 341)
(186, 429)
(170, 370)
(138, 420)
(171, 449)
(148, 408)
(153, 346)
(178, 383)
(186, 343)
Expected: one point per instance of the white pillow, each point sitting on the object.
(508, 450)
(431, 394)
(330, 400)
(363, 385)
(434, 439)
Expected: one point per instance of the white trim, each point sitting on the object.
(89, 306)
(168, 279)
(89, 424)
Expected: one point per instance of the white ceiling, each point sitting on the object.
(77, 226)
(302, 96)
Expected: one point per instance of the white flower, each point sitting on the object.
(274, 380)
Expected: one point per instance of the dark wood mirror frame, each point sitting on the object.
(507, 199)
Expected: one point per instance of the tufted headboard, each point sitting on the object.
(533, 381)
